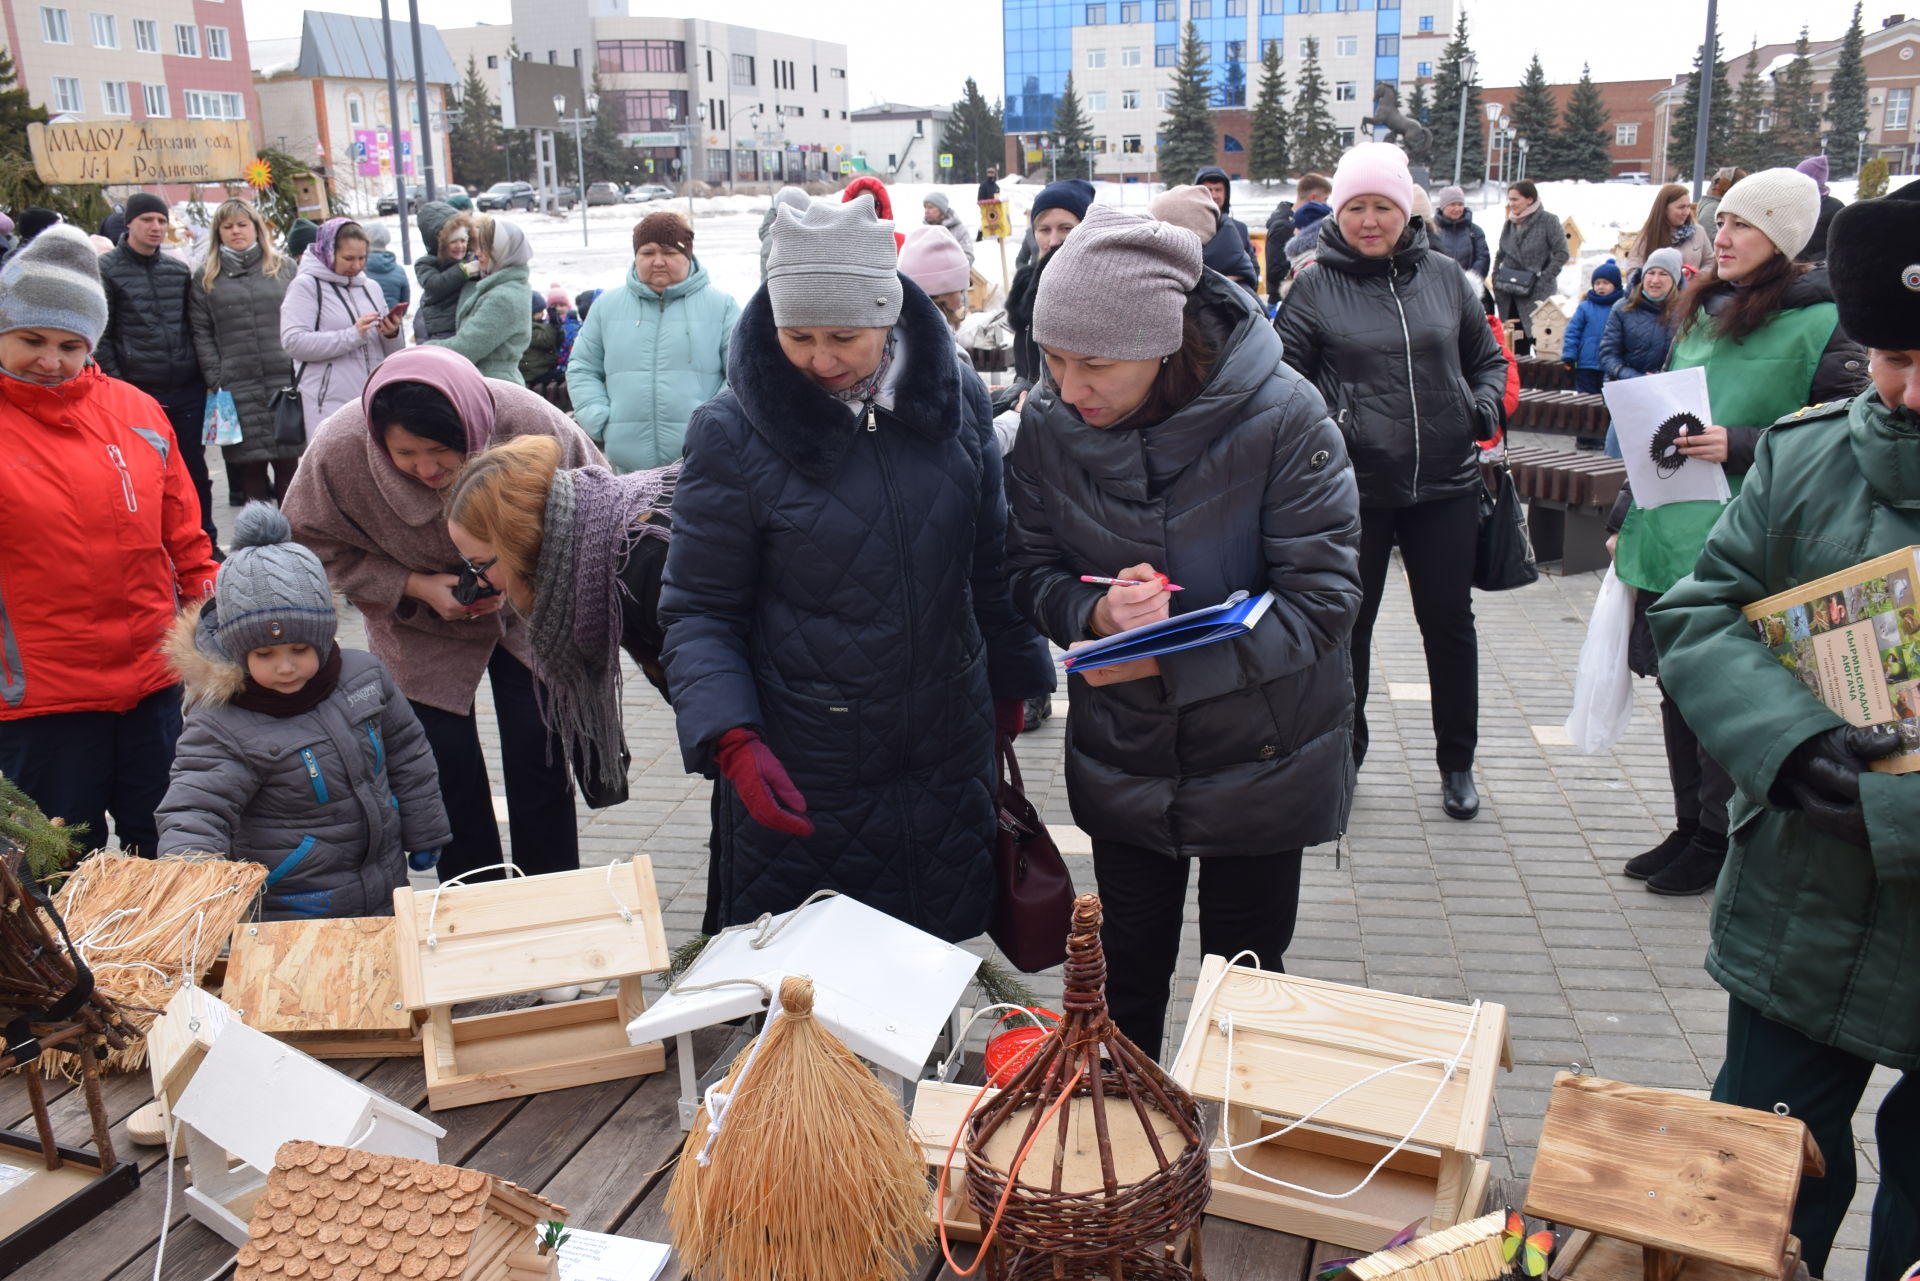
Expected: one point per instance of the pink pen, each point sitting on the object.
(1128, 582)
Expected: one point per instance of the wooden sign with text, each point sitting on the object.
(141, 152)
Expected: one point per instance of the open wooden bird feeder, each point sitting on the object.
(330, 987)
(1321, 1082)
(503, 938)
(1663, 1184)
(1091, 1162)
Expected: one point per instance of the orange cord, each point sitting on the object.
(940, 1205)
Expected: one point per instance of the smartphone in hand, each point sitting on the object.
(398, 310)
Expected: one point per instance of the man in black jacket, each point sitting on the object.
(149, 341)
(1230, 252)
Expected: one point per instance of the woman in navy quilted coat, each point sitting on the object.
(839, 637)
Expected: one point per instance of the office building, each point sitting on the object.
(900, 142)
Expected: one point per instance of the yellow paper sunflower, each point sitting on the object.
(259, 175)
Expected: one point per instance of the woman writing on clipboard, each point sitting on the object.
(1169, 441)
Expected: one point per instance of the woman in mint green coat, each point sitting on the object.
(492, 325)
(653, 352)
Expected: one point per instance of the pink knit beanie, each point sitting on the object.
(933, 260)
(1373, 169)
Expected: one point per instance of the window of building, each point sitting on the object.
(1230, 143)
(1346, 91)
(641, 55)
(186, 40)
(1163, 98)
(1236, 8)
(1386, 46)
(1130, 57)
(217, 46)
(1273, 6)
(1763, 121)
(1199, 8)
(838, 73)
(1130, 144)
(54, 28)
(356, 114)
(1097, 101)
(816, 77)
(1426, 22)
(1236, 50)
(1096, 15)
(646, 110)
(1346, 46)
(1099, 146)
(66, 94)
(1096, 59)
(743, 70)
(113, 98)
(1129, 100)
(146, 35)
(553, 57)
(1346, 137)
(1307, 46)
(1899, 109)
(1166, 10)
(493, 61)
(1130, 11)
(201, 105)
(156, 96)
(1626, 135)
(1423, 68)
(106, 30)
(1166, 55)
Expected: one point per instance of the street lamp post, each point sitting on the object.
(1860, 156)
(1468, 65)
(1524, 145)
(1493, 110)
(579, 152)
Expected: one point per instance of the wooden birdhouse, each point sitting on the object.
(1656, 1180)
(250, 1094)
(1550, 327)
(327, 986)
(503, 938)
(1321, 1081)
(366, 1217)
(880, 985)
(939, 1108)
(1575, 238)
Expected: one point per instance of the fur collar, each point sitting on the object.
(812, 430)
(209, 678)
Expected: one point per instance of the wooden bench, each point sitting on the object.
(1565, 413)
(1568, 498)
(1543, 373)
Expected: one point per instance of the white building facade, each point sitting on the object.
(900, 142)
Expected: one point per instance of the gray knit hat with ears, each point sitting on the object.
(272, 590)
(833, 265)
(53, 282)
(1117, 287)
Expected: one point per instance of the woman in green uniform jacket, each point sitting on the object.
(1765, 330)
(1816, 927)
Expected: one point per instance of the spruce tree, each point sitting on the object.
(1534, 114)
(1268, 157)
(608, 157)
(1444, 117)
(16, 112)
(475, 141)
(1316, 143)
(1708, 62)
(1187, 137)
(20, 185)
(1847, 101)
(1073, 135)
(1748, 149)
(1796, 120)
(972, 135)
(1420, 109)
(1584, 149)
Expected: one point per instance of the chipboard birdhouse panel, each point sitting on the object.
(329, 986)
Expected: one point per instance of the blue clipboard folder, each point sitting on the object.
(1235, 616)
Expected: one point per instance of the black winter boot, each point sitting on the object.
(1697, 868)
(1641, 866)
(1038, 709)
(1458, 796)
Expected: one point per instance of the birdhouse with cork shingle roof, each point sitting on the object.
(339, 1214)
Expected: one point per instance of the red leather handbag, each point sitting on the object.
(1033, 892)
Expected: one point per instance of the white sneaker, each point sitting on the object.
(556, 995)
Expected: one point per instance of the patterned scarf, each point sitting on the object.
(241, 260)
(1684, 232)
(869, 387)
(593, 519)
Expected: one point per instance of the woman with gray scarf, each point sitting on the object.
(234, 309)
(578, 554)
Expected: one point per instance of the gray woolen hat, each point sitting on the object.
(833, 265)
(53, 282)
(1117, 286)
(272, 590)
(378, 237)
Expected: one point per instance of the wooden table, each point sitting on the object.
(603, 1151)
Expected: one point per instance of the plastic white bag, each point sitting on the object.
(1603, 690)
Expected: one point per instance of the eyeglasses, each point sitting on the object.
(479, 570)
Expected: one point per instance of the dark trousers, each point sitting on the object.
(540, 817)
(188, 420)
(1247, 903)
(1701, 789)
(1513, 307)
(253, 483)
(1437, 542)
(83, 766)
(1769, 1063)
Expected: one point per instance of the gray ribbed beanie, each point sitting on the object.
(53, 282)
(833, 265)
(1117, 286)
(271, 591)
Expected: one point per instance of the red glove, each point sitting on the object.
(771, 799)
(1009, 716)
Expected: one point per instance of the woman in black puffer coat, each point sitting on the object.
(1171, 440)
(234, 309)
(839, 641)
(1391, 333)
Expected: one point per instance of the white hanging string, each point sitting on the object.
(626, 913)
(433, 910)
(718, 1101)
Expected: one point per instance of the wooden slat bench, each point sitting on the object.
(1543, 373)
(1567, 413)
(1568, 497)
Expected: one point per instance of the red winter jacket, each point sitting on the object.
(868, 185)
(1511, 399)
(100, 540)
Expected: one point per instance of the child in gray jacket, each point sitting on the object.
(295, 753)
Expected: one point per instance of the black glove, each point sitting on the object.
(1822, 777)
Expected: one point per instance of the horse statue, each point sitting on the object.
(1402, 128)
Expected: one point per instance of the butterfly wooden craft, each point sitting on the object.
(1527, 1254)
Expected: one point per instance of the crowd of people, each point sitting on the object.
(840, 556)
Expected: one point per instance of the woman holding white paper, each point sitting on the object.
(1767, 333)
(1172, 443)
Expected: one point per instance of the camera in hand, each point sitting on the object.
(470, 589)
